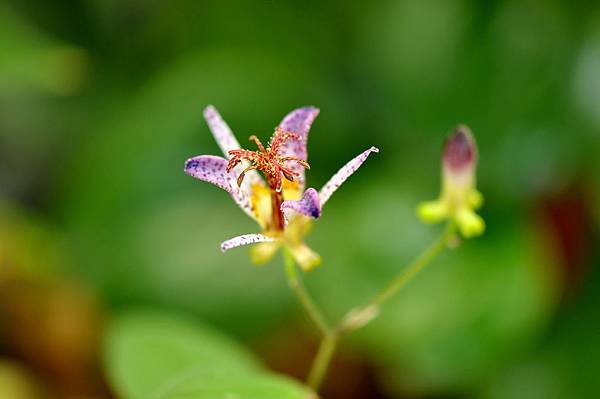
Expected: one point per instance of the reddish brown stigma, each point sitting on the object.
(268, 160)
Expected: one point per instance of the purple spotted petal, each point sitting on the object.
(246, 239)
(299, 122)
(212, 169)
(308, 205)
(343, 174)
(227, 141)
(220, 130)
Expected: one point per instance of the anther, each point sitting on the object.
(268, 160)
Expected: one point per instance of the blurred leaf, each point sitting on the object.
(146, 349)
(238, 386)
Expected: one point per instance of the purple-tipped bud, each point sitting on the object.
(459, 198)
(460, 151)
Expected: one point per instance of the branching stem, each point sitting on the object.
(361, 316)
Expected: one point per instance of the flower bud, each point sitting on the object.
(459, 198)
(459, 158)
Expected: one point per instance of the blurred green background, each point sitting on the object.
(101, 103)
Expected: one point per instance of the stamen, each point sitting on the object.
(280, 137)
(238, 156)
(268, 160)
(300, 161)
(240, 178)
(259, 144)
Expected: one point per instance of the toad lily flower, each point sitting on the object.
(459, 198)
(278, 203)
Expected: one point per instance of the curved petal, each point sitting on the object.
(246, 239)
(262, 252)
(299, 122)
(212, 169)
(306, 258)
(469, 223)
(433, 211)
(226, 141)
(308, 205)
(343, 174)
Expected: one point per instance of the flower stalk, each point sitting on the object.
(319, 368)
(329, 336)
(310, 307)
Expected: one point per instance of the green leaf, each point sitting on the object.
(147, 349)
(211, 385)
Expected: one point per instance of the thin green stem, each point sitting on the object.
(361, 316)
(416, 266)
(322, 360)
(311, 309)
(358, 317)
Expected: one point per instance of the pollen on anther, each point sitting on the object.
(268, 160)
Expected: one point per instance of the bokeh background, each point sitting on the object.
(101, 102)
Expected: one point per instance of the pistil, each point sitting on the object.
(276, 201)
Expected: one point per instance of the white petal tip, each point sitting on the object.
(374, 149)
(209, 111)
